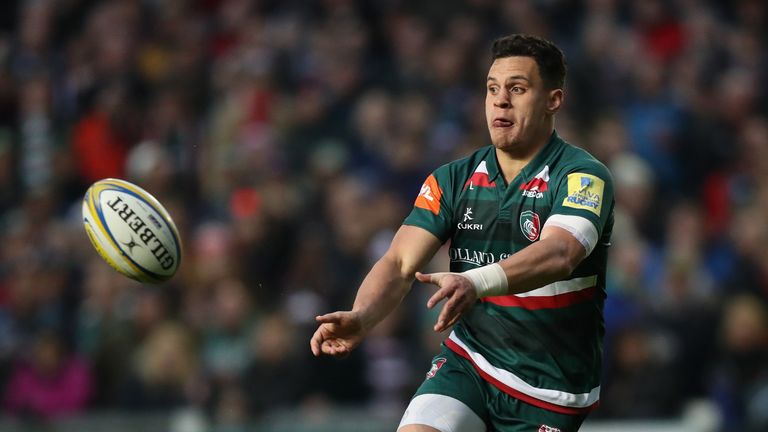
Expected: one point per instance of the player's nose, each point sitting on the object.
(502, 100)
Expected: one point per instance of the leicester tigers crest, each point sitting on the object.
(436, 365)
(530, 225)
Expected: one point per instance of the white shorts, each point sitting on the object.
(443, 413)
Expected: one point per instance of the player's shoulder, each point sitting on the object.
(468, 164)
(576, 159)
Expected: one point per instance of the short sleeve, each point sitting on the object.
(432, 209)
(583, 202)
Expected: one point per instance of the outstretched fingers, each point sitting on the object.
(322, 343)
(330, 318)
(316, 341)
(457, 289)
(431, 278)
(337, 335)
(424, 277)
(319, 339)
(435, 279)
(438, 296)
(451, 312)
(334, 347)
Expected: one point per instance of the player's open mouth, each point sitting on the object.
(502, 123)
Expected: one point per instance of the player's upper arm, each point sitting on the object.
(569, 248)
(411, 249)
(427, 226)
(583, 203)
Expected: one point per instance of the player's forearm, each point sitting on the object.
(539, 264)
(382, 291)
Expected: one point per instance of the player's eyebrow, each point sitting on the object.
(511, 78)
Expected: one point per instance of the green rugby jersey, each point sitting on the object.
(543, 346)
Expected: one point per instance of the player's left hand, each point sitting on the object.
(457, 289)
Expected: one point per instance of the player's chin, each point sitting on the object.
(503, 139)
(505, 143)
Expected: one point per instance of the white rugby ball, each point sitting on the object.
(131, 230)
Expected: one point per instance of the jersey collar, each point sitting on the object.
(532, 167)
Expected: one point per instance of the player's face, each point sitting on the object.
(516, 103)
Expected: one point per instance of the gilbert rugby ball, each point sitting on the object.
(131, 230)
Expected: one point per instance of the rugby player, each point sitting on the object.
(529, 220)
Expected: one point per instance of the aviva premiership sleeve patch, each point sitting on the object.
(585, 192)
(429, 196)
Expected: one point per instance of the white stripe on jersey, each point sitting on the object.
(557, 397)
(562, 287)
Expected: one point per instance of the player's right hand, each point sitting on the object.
(338, 334)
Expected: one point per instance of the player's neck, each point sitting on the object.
(512, 162)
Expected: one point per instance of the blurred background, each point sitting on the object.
(288, 139)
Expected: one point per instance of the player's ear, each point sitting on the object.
(554, 100)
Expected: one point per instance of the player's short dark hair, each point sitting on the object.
(548, 56)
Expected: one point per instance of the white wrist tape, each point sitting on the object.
(488, 280)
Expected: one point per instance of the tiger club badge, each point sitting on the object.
(530, 225)
(436, 365)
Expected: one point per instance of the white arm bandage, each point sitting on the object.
(581, 228)
(488, 280)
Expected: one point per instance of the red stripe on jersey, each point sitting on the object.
(515, 393)
(480, 179)
(548, 302)
(537, 183)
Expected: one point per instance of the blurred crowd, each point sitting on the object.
(288, 140)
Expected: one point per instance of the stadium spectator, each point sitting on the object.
(51, 382)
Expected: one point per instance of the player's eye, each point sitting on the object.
(518, 90)
(493, 90)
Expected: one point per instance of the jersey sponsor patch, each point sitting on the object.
(536, 187)
(468, 224)
(545, 428)
(585, 192)
(530, 225)
(429, 196)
